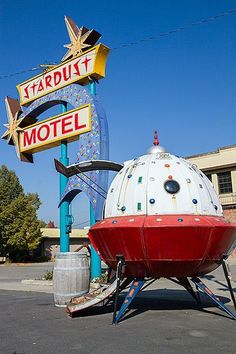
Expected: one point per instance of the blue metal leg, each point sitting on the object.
(227, 274)
(133, 291)
(199, 284)
(119, 270)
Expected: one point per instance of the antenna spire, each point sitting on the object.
(155, 141)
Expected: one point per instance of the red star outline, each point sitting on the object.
(85, 62)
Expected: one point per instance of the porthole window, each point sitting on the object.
(172, 186)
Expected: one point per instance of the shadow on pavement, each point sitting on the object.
(213, 278)
(160, 299)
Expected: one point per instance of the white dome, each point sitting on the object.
(158, 184)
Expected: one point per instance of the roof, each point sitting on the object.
(212, 152)
(55, 233)
(222, 158)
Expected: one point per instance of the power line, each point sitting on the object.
(142, 40)
(90, 186)
(179, 29)
(90, 179)
(82, 223)
(19, 72)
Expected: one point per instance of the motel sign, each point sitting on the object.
(51, 132)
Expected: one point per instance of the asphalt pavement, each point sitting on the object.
(163, 319)
(12, 275)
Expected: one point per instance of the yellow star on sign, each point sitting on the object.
(13, 127)
(81, 39)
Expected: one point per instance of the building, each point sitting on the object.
(220, 168)
(51, 240)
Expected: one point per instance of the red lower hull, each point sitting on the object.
(164, 245)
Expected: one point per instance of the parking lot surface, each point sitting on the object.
(163, 319)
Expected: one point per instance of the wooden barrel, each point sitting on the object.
(71, 277)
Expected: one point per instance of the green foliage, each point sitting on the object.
(102, 279)
(19, 225)
(10, 187)
(48, 275)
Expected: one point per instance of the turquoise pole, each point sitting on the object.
(64, 208)
(95, 262)
(95, 266)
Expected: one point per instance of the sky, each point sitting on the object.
(183, 85)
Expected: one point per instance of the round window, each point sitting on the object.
(172, 186)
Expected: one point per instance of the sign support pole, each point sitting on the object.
(95, 259)
(64, 208)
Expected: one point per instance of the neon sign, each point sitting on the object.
(79, 69)
(49, 133)
(83, 62)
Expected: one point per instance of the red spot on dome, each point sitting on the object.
(167, 165)
(170, 177)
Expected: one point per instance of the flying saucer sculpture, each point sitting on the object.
(164, 217)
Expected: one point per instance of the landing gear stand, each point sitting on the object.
(119, 269)
(227, 274)
(108, 292)
(137, 286)
(186, 284)
(133, 291)
(200, 285)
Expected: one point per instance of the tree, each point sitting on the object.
(10, 187)
(51, 225)
(19, 225)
